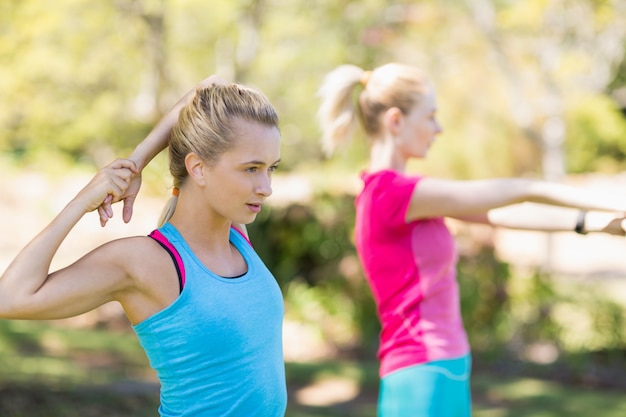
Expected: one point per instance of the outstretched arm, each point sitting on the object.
(437, 198)
(27, 285)
(540, 217)
(147, 149)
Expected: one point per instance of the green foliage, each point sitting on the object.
(298, 245)
(90, 80)
(309, 250)
(596, 138)
(506, 313)
(485, 301)
(533, 314)
(73, 71)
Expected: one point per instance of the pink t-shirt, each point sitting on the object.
(411, 269)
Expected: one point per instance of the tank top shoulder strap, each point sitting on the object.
(169, 248)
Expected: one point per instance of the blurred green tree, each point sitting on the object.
(88, 81)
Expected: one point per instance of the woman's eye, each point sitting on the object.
(273, 168)
(252, 169)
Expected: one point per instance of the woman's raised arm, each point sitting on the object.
(145, 151)
(27, 288)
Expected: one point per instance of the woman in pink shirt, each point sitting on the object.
(408, 255)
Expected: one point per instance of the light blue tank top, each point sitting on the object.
(217, 349)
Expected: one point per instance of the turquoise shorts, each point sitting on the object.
(434, 389)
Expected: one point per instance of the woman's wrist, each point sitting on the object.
(597, 221)
(138, 157)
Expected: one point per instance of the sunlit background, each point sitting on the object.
(533, 88)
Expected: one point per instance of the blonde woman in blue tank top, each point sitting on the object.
(194, 290)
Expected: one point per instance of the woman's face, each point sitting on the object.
(240, 181)
(420, 127)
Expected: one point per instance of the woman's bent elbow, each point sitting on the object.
(11, 308)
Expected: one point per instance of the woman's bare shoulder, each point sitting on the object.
(141, 250)
(154, 276)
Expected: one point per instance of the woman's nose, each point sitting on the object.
(264, 187)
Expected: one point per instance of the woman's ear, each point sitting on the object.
(392, 120)
(196, 168)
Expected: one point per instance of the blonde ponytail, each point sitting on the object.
(169, 208)
(338, 112)
(387, 86)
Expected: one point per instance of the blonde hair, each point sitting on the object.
(207, 126)
(390, 85)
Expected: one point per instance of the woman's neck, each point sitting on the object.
(385, 155)
(198, 224)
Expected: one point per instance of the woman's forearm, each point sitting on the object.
(530, 216)
(545, 218)
(158, 137)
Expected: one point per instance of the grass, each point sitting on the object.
(42, 352)
(50, 370)
(526, 397)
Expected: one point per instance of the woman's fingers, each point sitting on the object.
(123, 163)
(103, 216)
(118, 178)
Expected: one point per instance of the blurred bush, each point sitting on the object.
(310, 251)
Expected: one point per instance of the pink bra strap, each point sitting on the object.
(242, 235)
(178, 262)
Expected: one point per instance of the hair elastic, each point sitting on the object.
(175, 192)
(366, 77)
